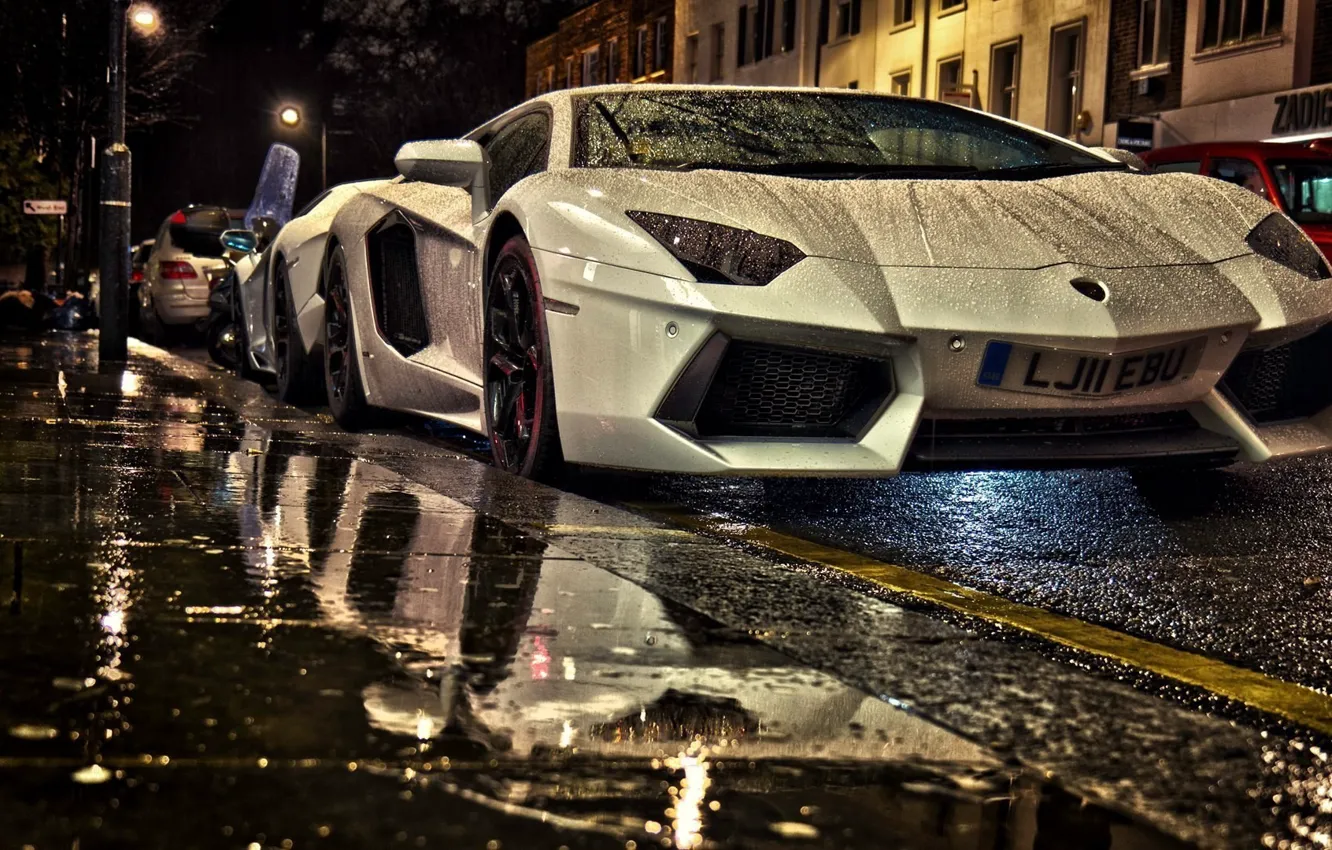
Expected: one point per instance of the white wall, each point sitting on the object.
(1248, 68)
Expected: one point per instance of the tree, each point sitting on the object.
(53, 84)
(22, 177)
(411, 69)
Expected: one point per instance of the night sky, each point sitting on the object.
(259, 55)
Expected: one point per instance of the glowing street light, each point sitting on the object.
(114, 232)
(144, 18)
(290, 116)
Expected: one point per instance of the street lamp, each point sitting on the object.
(114, 250)
(144, 18)
(290, 116)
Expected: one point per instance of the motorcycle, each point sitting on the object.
(224, 329)
(247, 255)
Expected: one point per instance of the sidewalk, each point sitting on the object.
(233, 625)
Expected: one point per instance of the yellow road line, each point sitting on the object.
(614, 530)
(1300, 704)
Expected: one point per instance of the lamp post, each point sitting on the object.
(291, 117)
(114, 250)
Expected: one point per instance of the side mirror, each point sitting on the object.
(448, 162)
(1129, 158)
(242, 241)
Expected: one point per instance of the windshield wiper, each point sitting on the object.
(820, 168)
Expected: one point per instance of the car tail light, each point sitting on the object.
(136, 276)
(176, 270)
(178, 217)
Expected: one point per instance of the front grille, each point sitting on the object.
(1057, 426)
(1289, 381)
(771, 390)
(396, 288)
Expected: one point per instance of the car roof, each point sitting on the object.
(1282, 150)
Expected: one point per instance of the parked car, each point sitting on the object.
(1297, 179)
(816, 282)
(269, 302)
(185, 261)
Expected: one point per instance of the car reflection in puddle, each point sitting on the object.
(532, 683)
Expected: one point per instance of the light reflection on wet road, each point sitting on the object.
(225, 634)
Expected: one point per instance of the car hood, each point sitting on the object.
(1103, 219)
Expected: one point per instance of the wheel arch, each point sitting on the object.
(506, 226)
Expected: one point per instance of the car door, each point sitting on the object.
(438, 221)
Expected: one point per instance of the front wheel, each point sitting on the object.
(520, 389)
(222, 343)
(342, 371)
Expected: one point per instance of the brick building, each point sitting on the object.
(610, 41)
(1202, 70)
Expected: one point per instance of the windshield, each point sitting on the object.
(814, 134)
(1306, 189)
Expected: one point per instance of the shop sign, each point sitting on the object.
(1300, 112)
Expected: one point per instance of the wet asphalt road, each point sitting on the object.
(233, 626)
(1234, 563)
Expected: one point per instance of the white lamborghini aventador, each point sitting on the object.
(808, 282)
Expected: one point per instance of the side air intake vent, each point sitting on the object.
(395, 286)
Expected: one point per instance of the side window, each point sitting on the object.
(1241, 172)
(520, 149)
(318, 199)
(1193, 166)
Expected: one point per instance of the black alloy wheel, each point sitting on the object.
(342, 375)
(520, 394)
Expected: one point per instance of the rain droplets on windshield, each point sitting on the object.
(812, 134)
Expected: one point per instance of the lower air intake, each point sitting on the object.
(779, 391)
(1286, 382)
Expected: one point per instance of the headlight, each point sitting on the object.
(715, 253)
(1280, 240)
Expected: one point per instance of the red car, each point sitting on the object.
(1297, 178)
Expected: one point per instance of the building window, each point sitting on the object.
(569, 72)
(854, 84)
(904, 12)
(946, 5)
(718, 52)
(765, 25)
(660, 49)
(1232, 21)
(900, 83)
(742, 37)
(1153, 32)
(1065, 80)
(592, 66)
(613, 61)
(848, 18)
(640, 52)
(1004, 64)
(788, 25)
(950, 76)
(691, 58)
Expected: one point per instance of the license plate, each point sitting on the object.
(1052, 371)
